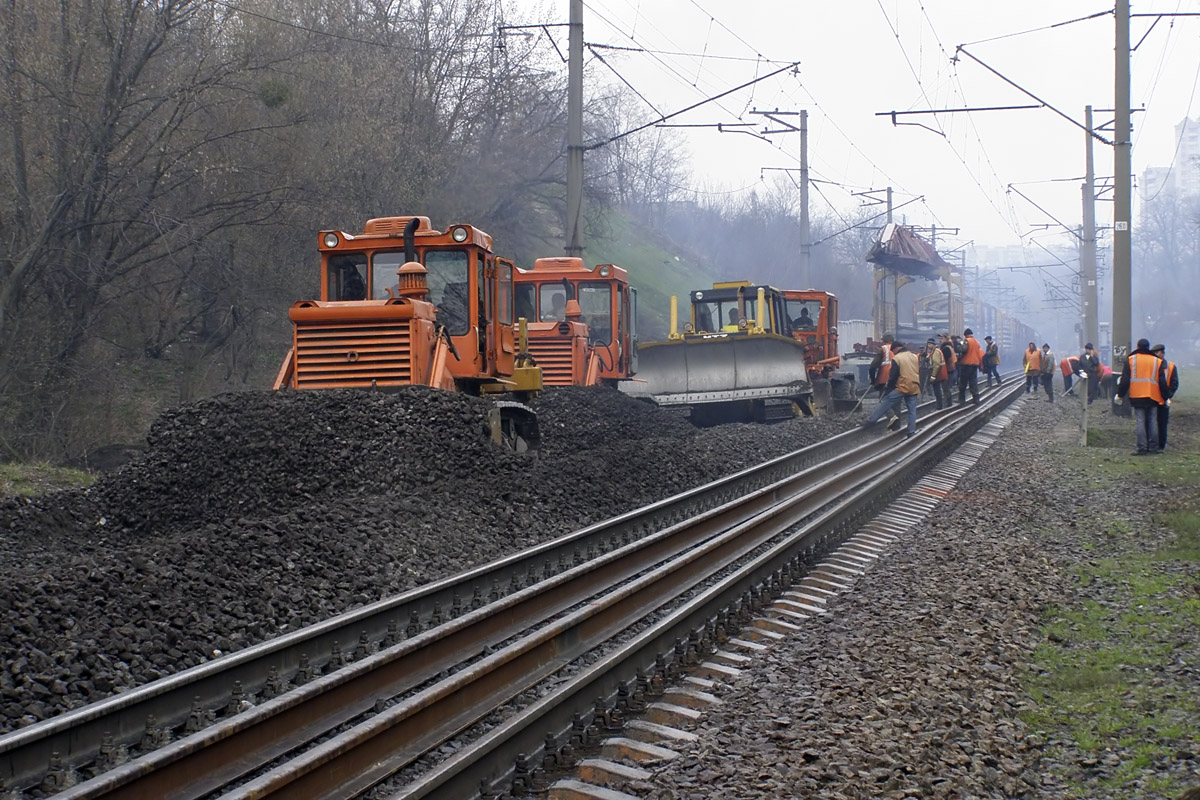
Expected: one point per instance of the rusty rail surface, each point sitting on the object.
(680, 540)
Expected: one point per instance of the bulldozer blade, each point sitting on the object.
(715, 368)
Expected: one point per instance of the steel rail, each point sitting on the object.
(361, 757)
(357, 759)
(77, 736)
(552, 717)
(212, 758)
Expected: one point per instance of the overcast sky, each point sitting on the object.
(860, 57)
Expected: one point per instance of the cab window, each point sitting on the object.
(524, 301)
(552, 302)
(383, 274)
(804, 314)
(506, 294)
(595, 300)
(449, 288)
(347, 273)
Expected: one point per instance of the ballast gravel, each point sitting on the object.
(910, 685)
(252, 514)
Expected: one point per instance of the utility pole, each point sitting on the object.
(575, 131)
(1122, 335)
(805, 228)
(1087, 245)
(887, 314)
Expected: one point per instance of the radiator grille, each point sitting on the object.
(553, 355)
(353, 354)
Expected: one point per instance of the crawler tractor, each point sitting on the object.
(403, 304)
(582, 322)
(736, 360)
(813, 315)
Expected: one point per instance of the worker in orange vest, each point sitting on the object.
(1164, 411)
(1144, 380)
(1032, 360)
(881, 366)
(968, 368)
(1070, 368)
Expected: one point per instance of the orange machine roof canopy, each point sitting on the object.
(560, 264)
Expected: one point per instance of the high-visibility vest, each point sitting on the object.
(1067, 366)
(885, 366)
(1033, 361)
(1143, 376)
(974, 354)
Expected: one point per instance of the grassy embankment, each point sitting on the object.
(1109, 682)
(24, 480)
(656, 269)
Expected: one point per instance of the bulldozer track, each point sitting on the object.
(572, 628)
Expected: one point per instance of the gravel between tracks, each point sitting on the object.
(910, 686)
(252, 514)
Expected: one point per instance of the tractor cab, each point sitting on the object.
(403, 303)
(735, 306)
(813, 315)
(813, 318)
(583, 320)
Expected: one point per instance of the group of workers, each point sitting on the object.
(902, 376)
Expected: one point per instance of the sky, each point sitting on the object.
(861, 57)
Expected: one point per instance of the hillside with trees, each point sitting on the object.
(166, 167)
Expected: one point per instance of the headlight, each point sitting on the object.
(742, 324)
(459, 234)
(833, 330)
(687, 328)
(698, 295)
(604, 272)
(330, 240)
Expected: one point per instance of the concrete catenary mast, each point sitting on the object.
(574, 245)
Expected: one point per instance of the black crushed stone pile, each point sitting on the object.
(251, 514)
(580, 418)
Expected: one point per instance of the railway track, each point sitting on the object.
(575, 628)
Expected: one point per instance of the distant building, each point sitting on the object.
(1182, 178)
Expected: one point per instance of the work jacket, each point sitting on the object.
(991, 356)
(974, 354)
(1144, 380)
(1033, 360)
(881, 367)
(906, 373)
(1047, 362)
(1069, 366)
(1090, 364)
(949, 357)
(1172, 379)
(937, 364)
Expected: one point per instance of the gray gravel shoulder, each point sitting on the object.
(911, 685)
